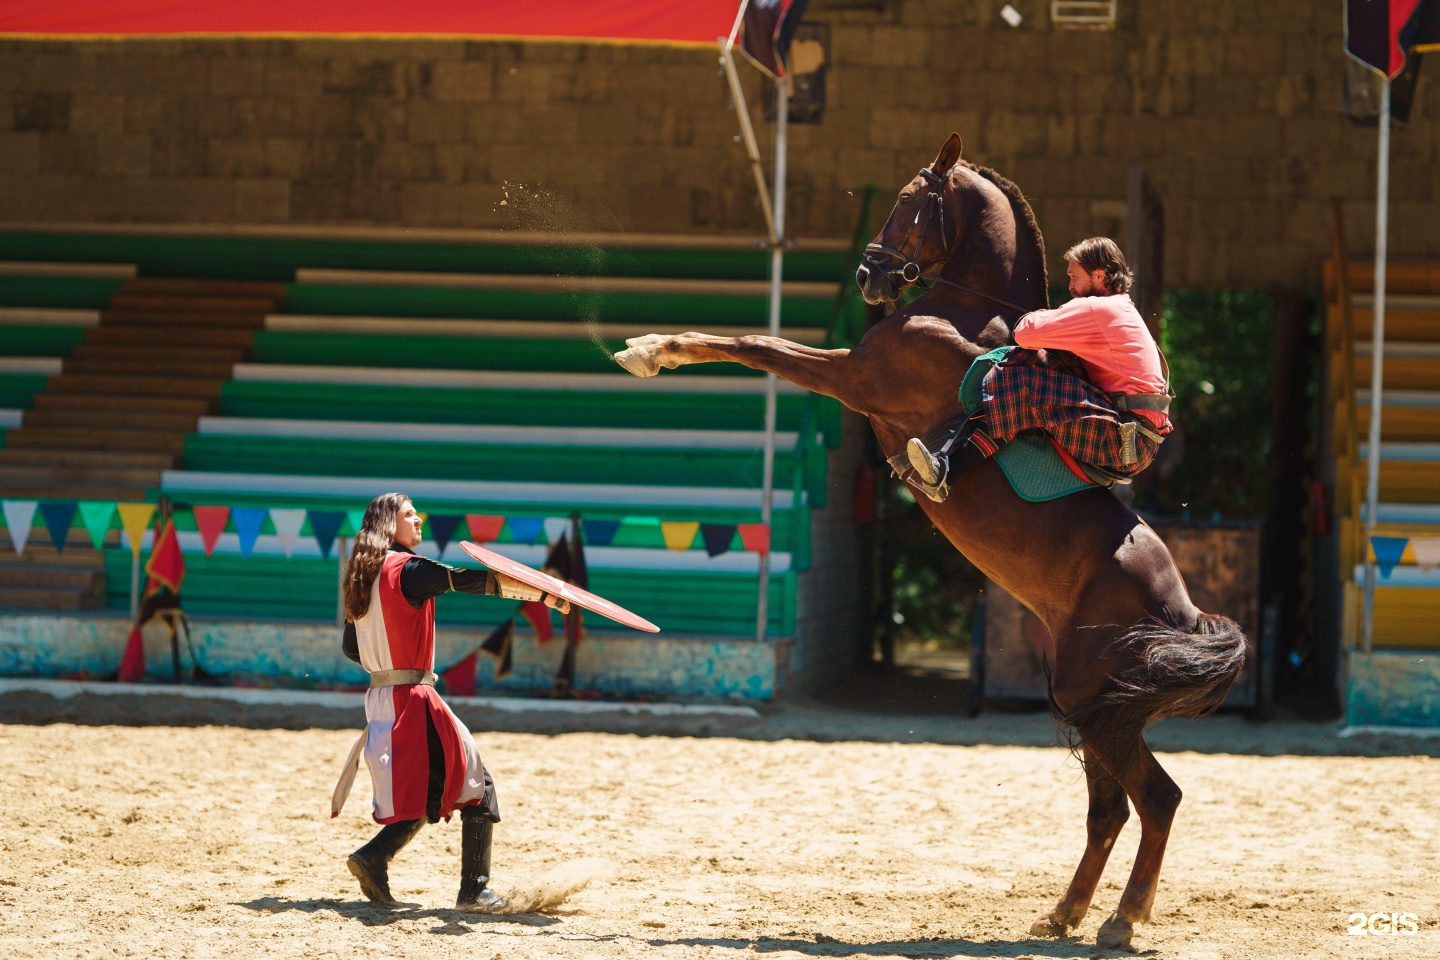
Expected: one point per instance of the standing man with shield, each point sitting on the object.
(422, 760)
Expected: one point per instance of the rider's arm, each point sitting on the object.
(1070, 326)
(350, 643)
(424, 579)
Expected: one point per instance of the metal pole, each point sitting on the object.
(747, 133)
(1377, 361)
(340, 589)
(134, 582)
(777, 263)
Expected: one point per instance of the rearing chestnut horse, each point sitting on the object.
(1130, 647)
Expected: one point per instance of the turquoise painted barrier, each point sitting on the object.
(1393, 689)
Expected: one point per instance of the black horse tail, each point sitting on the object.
(1178, 674)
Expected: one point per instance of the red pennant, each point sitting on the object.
(460, 679)
(211, 523)
(755, 537)
(484, 527)
(539, 616)
(166, 564)
(132, 663)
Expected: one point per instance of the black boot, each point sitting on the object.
(370, 864)
(475, 896)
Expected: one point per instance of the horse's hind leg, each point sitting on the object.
(1156, 798)
(1108, 813)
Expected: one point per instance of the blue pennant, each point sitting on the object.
(248, 521)
(58, 517)
(524, 529)
(325, 524)
(600, 533)
(1388, 551)
(717, 537)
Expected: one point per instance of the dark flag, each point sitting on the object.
(767, 31)
(1377, 32)
(567, 562)
(500, 645)
(164, 571)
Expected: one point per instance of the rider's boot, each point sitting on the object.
(475, 894)
(935, 469)
(370, 864)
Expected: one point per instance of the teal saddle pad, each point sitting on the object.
(1035, 471)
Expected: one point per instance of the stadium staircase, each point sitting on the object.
(1407, 600)
(314, 373)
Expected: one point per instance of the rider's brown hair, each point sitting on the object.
(1102, 253)
(372, 542)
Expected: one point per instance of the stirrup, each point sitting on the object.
(931, 472)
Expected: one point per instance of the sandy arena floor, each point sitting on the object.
(208, 837)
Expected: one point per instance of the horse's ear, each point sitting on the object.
(949, 154)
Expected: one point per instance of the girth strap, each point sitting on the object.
(394, 678)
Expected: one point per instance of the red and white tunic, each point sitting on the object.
(394, 635)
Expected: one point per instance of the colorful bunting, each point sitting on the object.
(210, 521)
(600, 533)
(442, 527)
(524, 529)
(95, 516)
(58, 518)
(19, 515)
(1427, 552)
(325, 525)
(288, 521)
(679, 534)
(484, 527)
(555, 528)
(357, 520)
(1388, 551)
(248, 521)
(500, 645)
(717, 537)
(135, 519)
(755, 537)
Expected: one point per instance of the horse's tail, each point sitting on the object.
(1178, 674)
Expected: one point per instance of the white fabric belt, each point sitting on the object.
(393, 678)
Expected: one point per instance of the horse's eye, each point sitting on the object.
(906, 198)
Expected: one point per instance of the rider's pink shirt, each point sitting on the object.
(1110, 338)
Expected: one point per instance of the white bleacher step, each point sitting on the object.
(41, 268)
(48, 317)
(1397, 301)
(549, 283)
(1402, 398)
(1413, 452)
(11, 417)
(1400, 576)
(570, 495)
(496, 435)
(617, 382)
(596, 558)
(519, 329)
(1401, 349)
(1417, 514)
(49, 366)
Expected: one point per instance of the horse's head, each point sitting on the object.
(916, 240)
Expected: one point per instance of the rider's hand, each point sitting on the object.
(557, 603)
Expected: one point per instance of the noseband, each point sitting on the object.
(896, 262)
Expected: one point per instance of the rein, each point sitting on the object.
(909, 270)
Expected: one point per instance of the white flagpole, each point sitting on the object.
(1377, 360)
(777, 264)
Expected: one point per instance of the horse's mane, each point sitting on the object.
(1025, 222)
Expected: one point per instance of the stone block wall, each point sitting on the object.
(1230, 105)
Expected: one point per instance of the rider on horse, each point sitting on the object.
(1107, 410)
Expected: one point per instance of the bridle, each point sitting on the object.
(896, 262)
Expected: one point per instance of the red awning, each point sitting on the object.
(656, 21)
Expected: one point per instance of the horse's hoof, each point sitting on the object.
(639, 361)
(1048, 926)
(1116, 934)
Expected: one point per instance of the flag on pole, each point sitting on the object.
(1377, 31)
(767, 31)
(500, 646)
(164, 571)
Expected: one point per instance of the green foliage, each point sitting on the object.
(1221, 352)
(936, 588)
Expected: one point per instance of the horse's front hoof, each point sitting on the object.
(1116, 934)
(1048, 926)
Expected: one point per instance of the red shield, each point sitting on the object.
(543, 581)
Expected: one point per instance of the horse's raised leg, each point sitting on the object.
(1156, 798)
(1108, 813)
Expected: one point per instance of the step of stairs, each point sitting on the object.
(117, 419)
(87, 401)
(42, 457)
(182, 287)
(97, 476)
(176, 350)
(97, 438)
(192, 387)
(30, 491)
(142, 335)
(149, 367)
(176, 314)
(51, 599)
(79, 553)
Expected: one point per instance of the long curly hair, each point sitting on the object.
(372, 542)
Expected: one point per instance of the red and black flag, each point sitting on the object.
(768, 28)
(567, 562)
(164, 571)
(1378, 32)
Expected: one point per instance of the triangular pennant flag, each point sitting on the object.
(679, 534)
(555, 528)
(557, 560)
(95, 516)
(717, 537)
(755, 537)
(442, 527)
(135, 519)
(1388, 551)
(357, 520)
(538, 614)
(248, 521)
(484, 527)
(524, 529)
(166, 564)
(500, 645)
(132, 661)
(460, 679)
(58, 517)
(210, 521)
(19, 515)
(325, 525)
(600, 533)
(288, 521)
(1427, 552)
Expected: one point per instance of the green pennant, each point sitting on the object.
(357, 519)
(95, 517)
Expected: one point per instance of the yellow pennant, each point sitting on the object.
(679, 534)
(135, 518)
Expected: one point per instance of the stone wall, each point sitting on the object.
(1230, 105)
